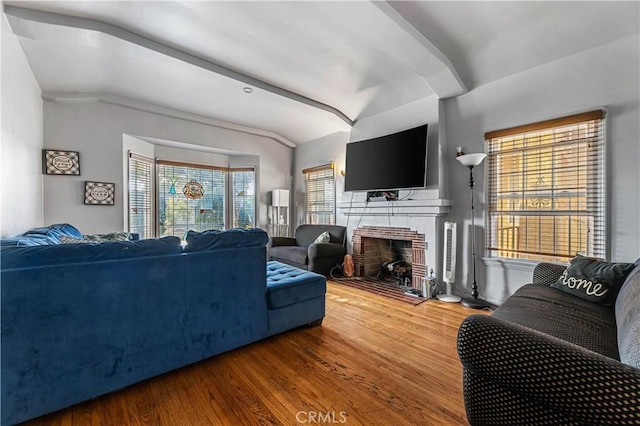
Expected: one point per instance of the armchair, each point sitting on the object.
(302, 253)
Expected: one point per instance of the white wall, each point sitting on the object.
(97, 131)
(21, 143)
(607, 76)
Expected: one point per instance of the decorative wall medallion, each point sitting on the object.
(55, 162)
(193, 190)
(99, 193)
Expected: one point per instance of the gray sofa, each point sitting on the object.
(302, 253)
(546, 356)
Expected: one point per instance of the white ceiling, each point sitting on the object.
(315, 67)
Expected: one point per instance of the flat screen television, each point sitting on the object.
(396, 161)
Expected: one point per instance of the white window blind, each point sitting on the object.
(546, 195)
(141, 211)
(243, 197)
(321, 195)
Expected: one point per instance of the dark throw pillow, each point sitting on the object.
(594, 280)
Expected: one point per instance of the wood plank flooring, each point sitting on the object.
(374, 361)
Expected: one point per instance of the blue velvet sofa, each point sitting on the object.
(81, 320)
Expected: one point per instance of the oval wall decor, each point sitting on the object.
(193, 189)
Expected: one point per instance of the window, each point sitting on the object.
(141, 196)
(321, 195)
(190, 197)
(243, 198)
(546, 195)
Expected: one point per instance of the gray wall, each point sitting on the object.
(333, 148)
(97, 131)
(316, 153)
(21, 143)
(607, 76)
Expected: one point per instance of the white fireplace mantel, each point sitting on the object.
(427, 207)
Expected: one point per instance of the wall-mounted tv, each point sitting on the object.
(396, 161)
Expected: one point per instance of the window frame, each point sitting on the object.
(164, 162)
(231, 201)
(154, 191)
(316, 174)
(594, 194)
(132, 156)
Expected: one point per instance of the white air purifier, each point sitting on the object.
(449, 262)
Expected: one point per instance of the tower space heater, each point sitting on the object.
(449, 262)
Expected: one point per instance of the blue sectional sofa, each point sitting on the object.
(81, 320)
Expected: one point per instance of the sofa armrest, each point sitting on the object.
(583, 385)
(546, 273)
(281, 241)
(318, 250)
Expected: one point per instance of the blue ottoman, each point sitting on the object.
(295, 297)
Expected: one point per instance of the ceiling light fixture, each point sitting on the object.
(247, 89)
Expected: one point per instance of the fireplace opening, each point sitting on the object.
(398, 271)
(394, 260)
(393, 255)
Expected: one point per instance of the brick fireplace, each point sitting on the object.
(367, 257)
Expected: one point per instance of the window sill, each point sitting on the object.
(506, 263)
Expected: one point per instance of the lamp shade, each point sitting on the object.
(471, 160)
(280, 198)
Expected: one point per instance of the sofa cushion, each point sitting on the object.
(562, 315)
(55, 231)
(231, 238)
(627, 310)
(593, 280)
(25, 257)
(288, 285)
(295, 254)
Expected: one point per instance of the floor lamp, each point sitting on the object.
(471, 161)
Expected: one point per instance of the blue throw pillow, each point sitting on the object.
(56, 231)
(232, 238)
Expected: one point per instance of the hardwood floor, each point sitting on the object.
(374, 361)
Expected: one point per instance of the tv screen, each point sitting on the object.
(393, 161)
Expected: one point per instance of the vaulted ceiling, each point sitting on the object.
(313, 68)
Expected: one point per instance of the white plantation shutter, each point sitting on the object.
(141, 211)
(321, 195)
(546, 195)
